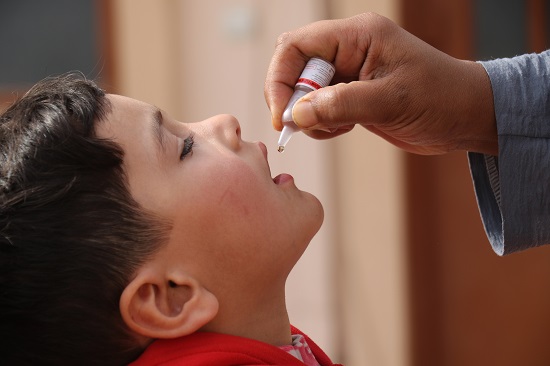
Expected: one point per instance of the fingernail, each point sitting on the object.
(303, 114)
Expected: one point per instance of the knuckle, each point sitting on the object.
(374, 22)
(282, 39)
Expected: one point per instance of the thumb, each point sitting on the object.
(339, 105)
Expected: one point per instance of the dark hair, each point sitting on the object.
(71, 236)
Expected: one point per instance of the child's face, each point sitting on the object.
(230, 218)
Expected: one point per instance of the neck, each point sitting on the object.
(264, 318)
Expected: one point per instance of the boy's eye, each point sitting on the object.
(187, 147)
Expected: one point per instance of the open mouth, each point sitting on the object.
(281, 178)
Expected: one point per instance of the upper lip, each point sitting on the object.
(262, 147)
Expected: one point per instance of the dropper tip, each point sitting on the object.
(281, 148)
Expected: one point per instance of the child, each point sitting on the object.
(126, 235)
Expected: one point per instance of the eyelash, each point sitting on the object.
(187, 147)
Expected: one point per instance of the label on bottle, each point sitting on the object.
(317, 74)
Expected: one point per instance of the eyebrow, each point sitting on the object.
(156, 119)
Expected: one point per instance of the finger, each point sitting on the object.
(400, 144)
(368, 102)
(336, 41)
(282, 74)
(416, 149)
(287, 63)
(324, 135)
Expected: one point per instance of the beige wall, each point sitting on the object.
(145, 38)
(371, 234)
(200, 58)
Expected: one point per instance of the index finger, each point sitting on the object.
(291, 54)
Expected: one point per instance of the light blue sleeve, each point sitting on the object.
(513, 190)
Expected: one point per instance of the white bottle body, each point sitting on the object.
(317, 74)
(289, 127)
(299, 91)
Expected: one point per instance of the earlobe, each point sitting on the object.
(166, 307)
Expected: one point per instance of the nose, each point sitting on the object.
(227, 128)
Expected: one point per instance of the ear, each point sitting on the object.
(160, 306)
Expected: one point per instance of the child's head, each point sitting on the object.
(70, 233)
(119, 225)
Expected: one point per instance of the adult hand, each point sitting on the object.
(387, 80)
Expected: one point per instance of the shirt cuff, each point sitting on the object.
(485, 176)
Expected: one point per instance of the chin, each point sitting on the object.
(316, 214)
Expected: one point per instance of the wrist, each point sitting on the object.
(479, 122)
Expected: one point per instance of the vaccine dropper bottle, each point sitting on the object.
(317, 74)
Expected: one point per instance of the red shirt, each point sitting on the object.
(213, 349)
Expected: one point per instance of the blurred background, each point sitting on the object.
(401, 273)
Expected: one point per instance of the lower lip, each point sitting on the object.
(283, 178)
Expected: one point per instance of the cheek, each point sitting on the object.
(229, 211)
(248, 210)
(237, 193)
(245, 201)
